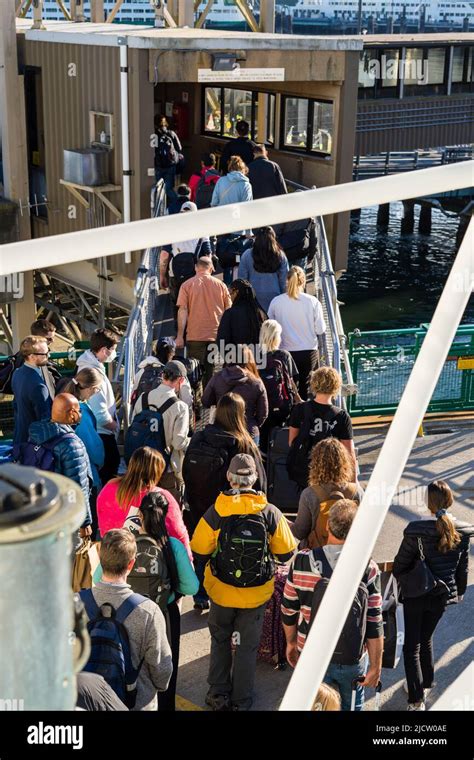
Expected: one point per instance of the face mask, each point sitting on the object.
(111, 357)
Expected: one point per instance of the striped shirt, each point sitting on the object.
(303, 576)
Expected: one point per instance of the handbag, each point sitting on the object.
(419, 580)
(393, 625)
(86, 560)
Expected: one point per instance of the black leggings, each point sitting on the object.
(422, 615)
(167, 699)
(306, 362)
(111, 459)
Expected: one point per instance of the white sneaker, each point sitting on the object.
(425, 691)
(416, 706)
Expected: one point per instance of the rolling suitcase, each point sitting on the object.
(272, 648)
(282, 492)
(378, 692)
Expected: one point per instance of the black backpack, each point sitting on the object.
(229, 249)
(147, 429)
(243, 557)
(165, 152)
(298, 239)
(205, 188)
(150, 379)
(297, 463)
(277, 383)
(201, 457)
(184, 263)
(150, 574)
(7, 368)
(350, 646)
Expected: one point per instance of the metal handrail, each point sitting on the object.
(138, 337)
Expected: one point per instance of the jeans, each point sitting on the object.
(342, 676)
(168, 175)
(236, 681)
(422, 615)
(199, 568)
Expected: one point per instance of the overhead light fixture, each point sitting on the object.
(225, 63)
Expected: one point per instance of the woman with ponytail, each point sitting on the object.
(443, 542)
(183, 579)
(301, 318)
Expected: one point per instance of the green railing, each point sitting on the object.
(381, 363)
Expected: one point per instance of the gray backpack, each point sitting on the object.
(150, 574)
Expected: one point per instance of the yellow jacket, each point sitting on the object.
(204, 543)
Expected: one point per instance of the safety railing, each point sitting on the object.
(138, 338)
(382, 361)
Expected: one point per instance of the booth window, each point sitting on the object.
(223, 107)
(379, 73)
(425, 71)
(308, 125)
(462, 79)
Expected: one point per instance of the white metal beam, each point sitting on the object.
(106, 241)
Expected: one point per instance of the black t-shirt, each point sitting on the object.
(327, 421)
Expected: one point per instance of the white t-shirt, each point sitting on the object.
(301, 320)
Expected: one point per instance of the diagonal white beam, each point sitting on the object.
(327, 626)
(106, 241)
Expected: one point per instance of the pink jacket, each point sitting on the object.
(110, 515)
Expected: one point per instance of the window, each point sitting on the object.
(307, 125)
(367, 68)
(223, 107)
(462, 73)
(425, 71)
(436, 64)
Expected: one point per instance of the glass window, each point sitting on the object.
(237, 107)
(413, 68)
(434, 67)
(212, 109)
(296, 122)
(458, 64)
(322, 127)
(270, 105)
(389, 71)
(368, 68)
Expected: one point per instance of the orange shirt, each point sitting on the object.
(205, 299)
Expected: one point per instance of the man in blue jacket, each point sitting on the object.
(70, 455)
(32, 400)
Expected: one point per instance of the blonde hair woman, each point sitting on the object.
(444, 543)
(301, 318)
(316, 420)
(331, 476)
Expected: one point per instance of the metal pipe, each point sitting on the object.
(329, 621)
(122, 41)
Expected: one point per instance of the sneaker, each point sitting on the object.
(201, 606)
(416, 706)
(218, 702)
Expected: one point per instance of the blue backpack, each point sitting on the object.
(147, 429)
(40, 455)
(110, 655)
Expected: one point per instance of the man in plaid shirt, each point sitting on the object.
(303, 577)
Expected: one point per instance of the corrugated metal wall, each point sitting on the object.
(414, 123)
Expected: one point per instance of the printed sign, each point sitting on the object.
(242, 75)
(466, 362)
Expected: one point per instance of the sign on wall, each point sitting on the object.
(242, 75)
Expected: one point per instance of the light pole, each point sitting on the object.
(359, 21)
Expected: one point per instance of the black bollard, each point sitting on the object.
(424, 222)
(383, 215)
(408, 220)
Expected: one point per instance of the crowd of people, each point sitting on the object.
(185, 511)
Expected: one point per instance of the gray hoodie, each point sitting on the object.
(233, 188)
(102, 403)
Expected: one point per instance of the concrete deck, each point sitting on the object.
(440, 454)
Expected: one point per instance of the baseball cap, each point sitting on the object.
(166, 342)
(189, 206)
(242, 464)
(175, 369)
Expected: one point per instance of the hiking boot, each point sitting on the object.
(218, 702)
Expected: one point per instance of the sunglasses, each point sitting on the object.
(39, 353)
